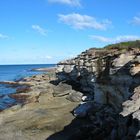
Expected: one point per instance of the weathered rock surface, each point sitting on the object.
(38, 114)
(105, 82)
(133, 105)
(61, 90)
(108, 76)
(75, 96)
(111, 79)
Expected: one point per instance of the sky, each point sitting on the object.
(48, 31)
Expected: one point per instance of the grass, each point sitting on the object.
(124, 45)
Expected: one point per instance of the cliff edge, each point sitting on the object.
(109, 78)
(94, 96)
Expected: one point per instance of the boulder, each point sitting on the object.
(75, 96)
(68, 68)
(122, 60)
(82, 109)
(135, 69)
(130, 107)
(61, 90)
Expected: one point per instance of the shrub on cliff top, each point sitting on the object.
(124, 45)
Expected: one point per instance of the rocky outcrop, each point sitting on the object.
(110, 76)
(37, 114)
(61, 90)
(109, 81)
(93, 96)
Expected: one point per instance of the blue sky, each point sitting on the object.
(47, 31)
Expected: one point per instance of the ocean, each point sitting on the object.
(13, 73)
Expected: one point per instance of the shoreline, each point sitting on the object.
(39, 114)
(23, 85)
(77, 102)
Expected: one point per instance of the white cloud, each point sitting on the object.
(48, 57)
(40, 30)
(2, 36)
(101, 38)
(79, 21)
(115, 39)
(136, 20)
(67, 2)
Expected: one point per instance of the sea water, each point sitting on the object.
(13, 73)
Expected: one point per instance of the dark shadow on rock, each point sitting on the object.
(73, 78)
(104, 127)
(101, 125)
(69, 131)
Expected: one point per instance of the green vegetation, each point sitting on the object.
(124, 45)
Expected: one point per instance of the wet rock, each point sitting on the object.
(21, 98)
(23, 88)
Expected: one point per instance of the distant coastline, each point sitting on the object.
(44, 69)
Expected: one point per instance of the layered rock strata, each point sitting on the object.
(109, 80)
(95, 96)
(38, 114)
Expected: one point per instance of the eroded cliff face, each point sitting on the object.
(109, 78)
(96, 96)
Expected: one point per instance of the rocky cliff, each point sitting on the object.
(95, 96)
(109, 79)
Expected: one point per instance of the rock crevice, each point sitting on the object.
(108, 78)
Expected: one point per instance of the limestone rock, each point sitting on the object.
(68, 68)
(123, 59)
(136, 115)
(135, 69)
